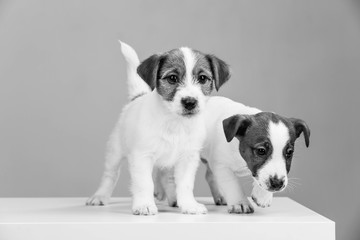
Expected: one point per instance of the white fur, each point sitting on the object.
(261, 197)
(189, 60)
(151, 133)
(279, 136)
(136, 85)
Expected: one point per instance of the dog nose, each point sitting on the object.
(276, 183)
(189, 103)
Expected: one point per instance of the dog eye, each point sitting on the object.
(202, 79)
(289, 152)
(261, 151)
(172, 79)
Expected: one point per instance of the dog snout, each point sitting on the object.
(276, 183)
(189, 103)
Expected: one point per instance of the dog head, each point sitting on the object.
(267, 143)
(184, 78)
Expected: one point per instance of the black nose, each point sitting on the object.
(189, 103)
(275, 183)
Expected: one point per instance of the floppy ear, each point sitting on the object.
(148, 70)
(301, 127)
(236, 126)
(219, 69)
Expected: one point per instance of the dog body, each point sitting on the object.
(162, 127)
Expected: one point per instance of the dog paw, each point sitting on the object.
(261, 197)
(262, 201)
(194, 208)
(220, 200)
(98, 200)
(148, 209)
(242, 207)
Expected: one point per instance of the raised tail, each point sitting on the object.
(136, 85)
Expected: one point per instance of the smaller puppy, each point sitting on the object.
(242, 140)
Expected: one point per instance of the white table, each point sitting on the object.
(69, 218)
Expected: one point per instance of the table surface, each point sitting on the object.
(73, 210)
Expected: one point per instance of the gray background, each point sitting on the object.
(63, 85)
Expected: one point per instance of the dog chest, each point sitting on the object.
(178, 141)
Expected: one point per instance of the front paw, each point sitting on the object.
(145, 209)
(241, 207)
(98, 200)
(261, 197)
(193, 208)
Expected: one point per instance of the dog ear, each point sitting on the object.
(219, 69)
(236, 126)
(301, 127)
(148, 70)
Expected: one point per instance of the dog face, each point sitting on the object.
(184, 78)
(267, 143)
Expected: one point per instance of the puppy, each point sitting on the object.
(162, 126)
(242, 140)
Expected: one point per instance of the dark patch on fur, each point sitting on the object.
(172, 63)
(252, 132)
(219, 69)
(301, 127)
(148, 70)
(255, 136)
(236, 125)
(296, 127)
(203, 67)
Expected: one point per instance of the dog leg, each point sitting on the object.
(165, 187)
(168, 183)
(215, 191)
(236, 200)
(159, 191)
(111, 173)
(185, 171)
(261, 197)
(142, 186)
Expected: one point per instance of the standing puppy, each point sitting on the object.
(242, 140)
(162, 126)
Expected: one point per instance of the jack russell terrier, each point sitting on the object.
(163, 126)
(241, 141)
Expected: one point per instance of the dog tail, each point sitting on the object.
(136, 85)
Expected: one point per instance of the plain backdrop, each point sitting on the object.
(62, 86)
